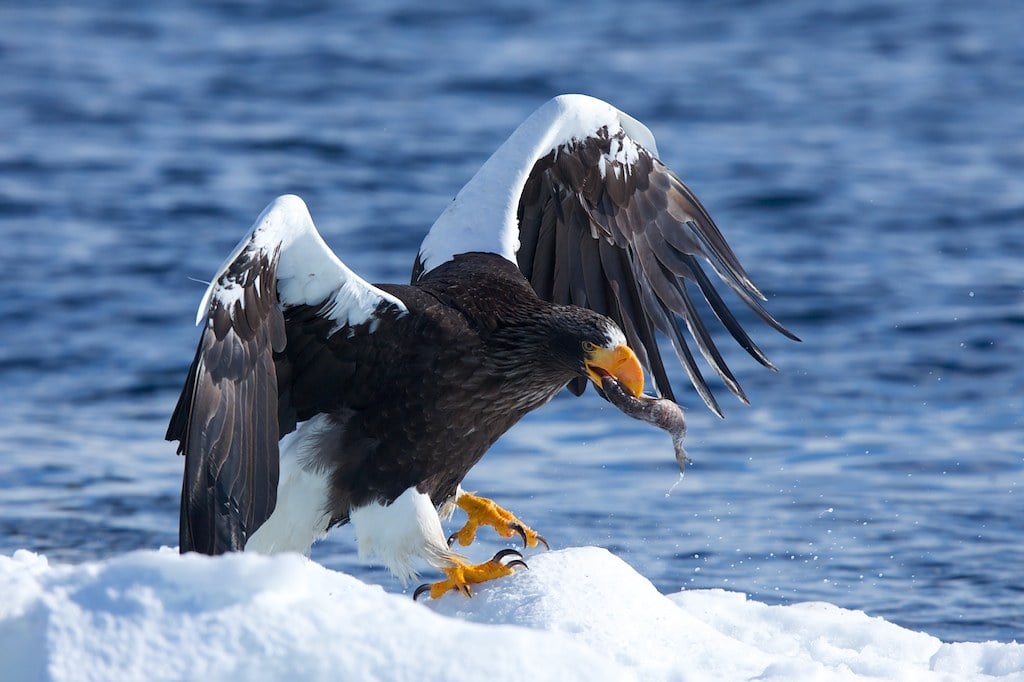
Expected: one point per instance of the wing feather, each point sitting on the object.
(629, 312)
(562, 276)
(242, 392)
(608, 189)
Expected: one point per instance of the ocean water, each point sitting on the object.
(864, 159)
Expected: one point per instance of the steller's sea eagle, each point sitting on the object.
(316, 398)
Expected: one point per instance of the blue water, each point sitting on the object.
(865, 159)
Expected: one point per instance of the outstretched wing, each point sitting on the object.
(593, 218)
(244, 389)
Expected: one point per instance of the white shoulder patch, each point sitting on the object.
(622, 153)
(308, 272)
(483, 216)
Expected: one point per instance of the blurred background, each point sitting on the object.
(864, 159)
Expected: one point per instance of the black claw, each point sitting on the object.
(451, 538)
(504, 553)
(541, 540)
(519, 529)
(517, 562)
(420, 590)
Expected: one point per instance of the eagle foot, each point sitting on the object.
(484, 512)
(461, 576)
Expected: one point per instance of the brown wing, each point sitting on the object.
(226, 418)
(284, 322)
(604, 224)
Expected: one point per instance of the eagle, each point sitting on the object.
(317, 399)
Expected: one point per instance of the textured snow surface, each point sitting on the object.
(578, 613)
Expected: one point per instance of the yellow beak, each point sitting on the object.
(619, 362)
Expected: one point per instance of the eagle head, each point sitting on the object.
(594, 347)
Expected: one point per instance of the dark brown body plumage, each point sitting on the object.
(418, 401)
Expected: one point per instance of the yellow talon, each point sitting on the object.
(481, 511)
(462, 576)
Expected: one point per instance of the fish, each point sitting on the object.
(662, 412)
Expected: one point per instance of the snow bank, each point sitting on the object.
(577, 614)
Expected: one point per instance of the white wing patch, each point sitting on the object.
(483, 216)
(308, 272)
(622, 154)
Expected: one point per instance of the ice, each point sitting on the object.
(579, 613)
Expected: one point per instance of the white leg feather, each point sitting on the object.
(397, 535)
(400, 533)
(301, 515)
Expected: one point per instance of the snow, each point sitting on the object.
(578, 613)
